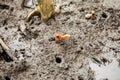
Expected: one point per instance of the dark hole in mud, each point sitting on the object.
(104, 15)
(104, 60)
(58, 60)
(80, 78)
(81, 48)
(32, 27)
(6, 28)
(4, 6)
(7, 78)
(12, 8)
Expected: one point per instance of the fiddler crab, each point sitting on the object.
(46, 9)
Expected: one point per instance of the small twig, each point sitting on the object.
(4, 45)
(6, 52)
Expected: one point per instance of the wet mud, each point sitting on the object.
(91, 53)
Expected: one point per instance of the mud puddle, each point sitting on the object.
(110, 71)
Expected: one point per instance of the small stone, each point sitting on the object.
(88, 16)
(104, 15)
(28, 3)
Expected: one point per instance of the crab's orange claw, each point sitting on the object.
(66, 36)
(59, 37)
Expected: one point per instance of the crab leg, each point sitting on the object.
(32, 14)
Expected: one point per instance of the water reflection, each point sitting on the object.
(108, 72)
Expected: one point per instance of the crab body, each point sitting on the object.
(45, 8)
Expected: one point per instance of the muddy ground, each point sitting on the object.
(92, 52)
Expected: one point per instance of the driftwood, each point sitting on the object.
(5, 51)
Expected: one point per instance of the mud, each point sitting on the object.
(92, 52)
